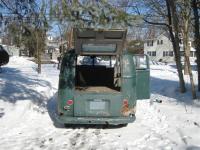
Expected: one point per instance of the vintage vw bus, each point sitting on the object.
(100, 81)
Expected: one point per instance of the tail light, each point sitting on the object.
(70, 102)
(125, 102)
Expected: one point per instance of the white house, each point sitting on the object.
(160, 49)
(12, 50)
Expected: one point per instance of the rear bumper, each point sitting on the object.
(94, 120)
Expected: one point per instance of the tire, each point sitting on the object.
(123, 125)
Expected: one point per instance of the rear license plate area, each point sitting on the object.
(97, 104)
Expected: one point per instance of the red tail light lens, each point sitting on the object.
(125, 102)
(70, 102)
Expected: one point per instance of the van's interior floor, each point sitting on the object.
(97, 89)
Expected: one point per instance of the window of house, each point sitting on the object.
(159, 42)
(171, 53)
(164, 54)
(150, 43)
(153, 53)
(168, 53)
(192, 54)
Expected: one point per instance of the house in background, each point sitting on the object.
(11, 49)
(160, 49)
(53, 47)
(135, 46)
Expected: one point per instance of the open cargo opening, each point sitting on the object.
(96, 74)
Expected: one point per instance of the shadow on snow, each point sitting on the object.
(16, 86)
(170, 90)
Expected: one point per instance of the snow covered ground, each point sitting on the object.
(27, 105)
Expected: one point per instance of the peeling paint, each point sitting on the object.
(127, 111)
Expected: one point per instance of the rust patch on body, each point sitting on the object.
(126, 110)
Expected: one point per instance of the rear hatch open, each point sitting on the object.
(97, 82)
(99, 42)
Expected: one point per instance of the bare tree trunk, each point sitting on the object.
(173, 21)
(194, 96)
(61, 41)
(186, 47)
(38, 54)
(187, 55)
(185, 17)
(70, 39)
(197, 38)
(186, 71)
(61, 48)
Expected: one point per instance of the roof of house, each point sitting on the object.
(166, 34)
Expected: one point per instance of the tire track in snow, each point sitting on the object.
(75, 139)
(94, 139)
(155, 122)
(84, 139)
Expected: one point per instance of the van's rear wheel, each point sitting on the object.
(68, 125)
(123, 125)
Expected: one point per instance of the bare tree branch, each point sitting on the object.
(156, 23)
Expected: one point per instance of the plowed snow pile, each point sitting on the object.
(27, 107)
